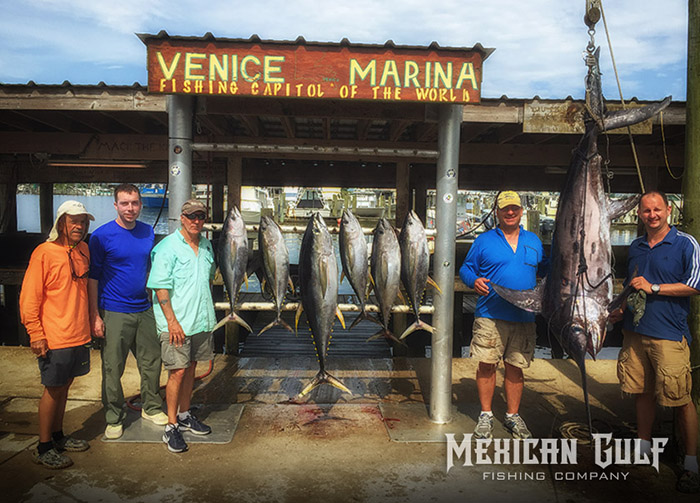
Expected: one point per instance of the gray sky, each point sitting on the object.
(539, 43)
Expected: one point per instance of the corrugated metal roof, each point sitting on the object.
(255, 39)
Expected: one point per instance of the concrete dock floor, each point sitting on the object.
(329, 447)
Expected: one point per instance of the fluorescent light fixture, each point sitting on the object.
(99, 164)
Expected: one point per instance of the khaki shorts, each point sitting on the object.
(658, 366)
(196, 348)
(512, 341)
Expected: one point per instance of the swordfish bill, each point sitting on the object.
(233, 260)
(318, 281)
(576, 295)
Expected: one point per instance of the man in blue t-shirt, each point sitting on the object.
(654, 362)
(121, 310)
(511, 257)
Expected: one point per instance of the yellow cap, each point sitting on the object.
(508, 198)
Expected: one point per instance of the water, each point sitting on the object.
(102, 207)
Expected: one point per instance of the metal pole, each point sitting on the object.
(179, 155)
(691, 178)
(450, 120)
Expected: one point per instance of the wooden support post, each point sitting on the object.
(691, 176)
(234, 177)
(420, 199)
(402, 192)
(8, 208)
(46, 213)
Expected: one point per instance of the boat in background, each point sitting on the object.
(152, 195)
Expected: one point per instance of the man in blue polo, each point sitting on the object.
(120, 310)
(654, 362)
(509, 256)
(181, 273)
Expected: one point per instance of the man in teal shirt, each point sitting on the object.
(182, 267)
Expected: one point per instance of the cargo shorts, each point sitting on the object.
(196, 348)
(512, 341)
(657, 366)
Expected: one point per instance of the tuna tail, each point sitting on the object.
(323, 377)
(417, 325)
(387, 334)
(364, 315)
(631, 116)
(279, 322)
(529, 300)
(234, 318)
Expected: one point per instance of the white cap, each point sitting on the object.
(68, 208)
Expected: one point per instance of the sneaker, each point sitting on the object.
(160, 418)
(113, 431)
(68, 443)
(689, 482)
(517, 427)
(173, 438)
(191, 423)
(52, 459)
(484, 427)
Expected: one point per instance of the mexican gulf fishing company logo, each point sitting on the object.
(550, 451)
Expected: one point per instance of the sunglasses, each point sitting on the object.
(196, 216)
(72, 265)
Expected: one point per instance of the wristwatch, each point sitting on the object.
(655, 288)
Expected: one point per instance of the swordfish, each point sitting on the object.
(576, 296)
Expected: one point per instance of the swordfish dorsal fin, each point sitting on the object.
(630, 116)
(529, 300)
(617, 208)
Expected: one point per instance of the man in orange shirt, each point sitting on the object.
(54, 308)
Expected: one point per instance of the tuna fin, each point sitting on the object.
(401, 297)
(323, 273)
(291, 285)
(371, 279)
(342, 276)
(234, 318)
(417, 325)
(631, 116)
(300, 309)
(364, 315)
(279, 322)
(387, 334)
(339, 314)
(262, 286)
(245, 278)
(434, 285)
(529, 300)
(617, 208)
(321, 378)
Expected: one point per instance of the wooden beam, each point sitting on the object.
(78, 98)
(396, 129)
(402, 192)
(288, 126)
(234, 176)
(46, 209)
(362, 129)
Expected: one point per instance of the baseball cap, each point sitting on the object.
(192, 205)
(68, 208)
(508, 198)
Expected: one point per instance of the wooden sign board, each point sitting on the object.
(567, 118)
(233, 68)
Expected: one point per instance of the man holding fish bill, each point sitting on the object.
(511, 256)
(181, 273)
(654, 362)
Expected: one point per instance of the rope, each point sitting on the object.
(663, 143)
(619, 88)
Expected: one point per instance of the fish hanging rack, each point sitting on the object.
(298, 229)
(293, 306)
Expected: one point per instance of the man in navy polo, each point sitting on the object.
(654, 363)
